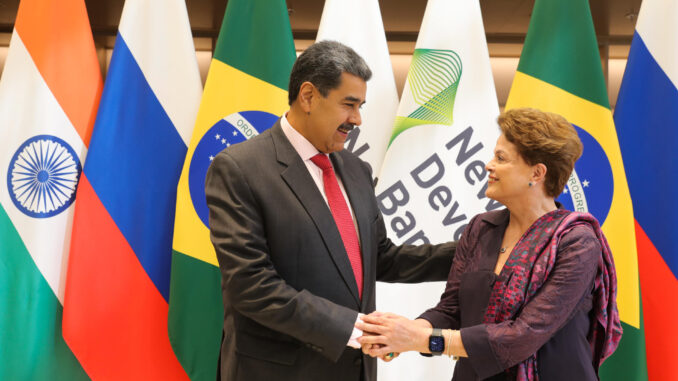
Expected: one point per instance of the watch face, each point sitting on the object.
(436, 344)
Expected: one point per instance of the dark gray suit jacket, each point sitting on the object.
(290, 296)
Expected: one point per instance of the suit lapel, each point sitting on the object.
(300, 182)
(359, 199)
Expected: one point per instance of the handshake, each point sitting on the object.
(386, 335)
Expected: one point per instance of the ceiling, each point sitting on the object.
(505, 22)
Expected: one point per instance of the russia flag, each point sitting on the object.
(647, 124)
(115, 314)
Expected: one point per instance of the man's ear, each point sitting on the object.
(306, 94)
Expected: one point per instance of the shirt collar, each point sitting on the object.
(304, 148)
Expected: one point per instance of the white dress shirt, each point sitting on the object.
(307, 150)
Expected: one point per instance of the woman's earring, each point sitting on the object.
(530, 183)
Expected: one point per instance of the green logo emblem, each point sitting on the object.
(433, 80)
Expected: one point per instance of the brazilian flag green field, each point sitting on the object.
(247, 78)
(560, 71)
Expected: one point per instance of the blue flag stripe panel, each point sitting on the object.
(134, 163)
(646, 117)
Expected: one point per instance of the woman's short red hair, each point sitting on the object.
(543, 137)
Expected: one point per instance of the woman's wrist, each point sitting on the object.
(426, 331)
(454, 347)
(423, 338)
(423, 323)
(447, 334)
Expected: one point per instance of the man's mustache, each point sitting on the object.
(348, 127)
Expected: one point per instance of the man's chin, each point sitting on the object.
(335, 148)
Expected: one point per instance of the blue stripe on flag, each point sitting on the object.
(134, 163)
(646, 117)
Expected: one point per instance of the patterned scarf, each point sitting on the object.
(532, 261)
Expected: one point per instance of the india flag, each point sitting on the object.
(245, 93)
(560, 71)
(49, 93)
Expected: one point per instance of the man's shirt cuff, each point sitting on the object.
(353, 341)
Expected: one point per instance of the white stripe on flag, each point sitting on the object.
(366, 36)
(160, 28)
(28, 108)
(659, 30)
(241, 124)
(577, 195)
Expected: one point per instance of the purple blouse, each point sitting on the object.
(555, 323)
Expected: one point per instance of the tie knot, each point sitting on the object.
(322, 161)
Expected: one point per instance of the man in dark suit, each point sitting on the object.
(299, 237)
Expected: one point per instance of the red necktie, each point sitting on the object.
(342, 217)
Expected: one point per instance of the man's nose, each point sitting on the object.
(355, 118)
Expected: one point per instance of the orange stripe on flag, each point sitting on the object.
(58, 37)
(110, 342)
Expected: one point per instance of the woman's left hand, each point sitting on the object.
(392, 333)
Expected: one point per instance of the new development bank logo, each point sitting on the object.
(432, 182)
(590, 187)
(230, 130)
(433, 81)
(43, 175)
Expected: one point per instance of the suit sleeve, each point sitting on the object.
(250, 282)
(446, 313)
(410, 263)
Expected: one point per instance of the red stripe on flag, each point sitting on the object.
(115, 320)
(658, 289)
(58, 37)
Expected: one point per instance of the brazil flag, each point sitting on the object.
(560, 71)
(245, 93)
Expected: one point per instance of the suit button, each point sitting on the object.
(358, 361)
(315, 347)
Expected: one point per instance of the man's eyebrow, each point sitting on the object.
(354, 99)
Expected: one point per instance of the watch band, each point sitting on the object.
(436, 342)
